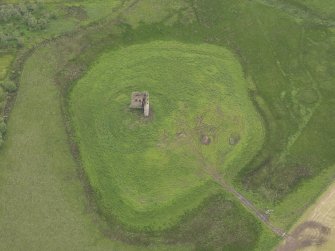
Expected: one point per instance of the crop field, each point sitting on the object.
(238, 144)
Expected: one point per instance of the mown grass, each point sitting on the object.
(144, 169)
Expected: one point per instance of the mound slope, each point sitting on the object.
(147, 173)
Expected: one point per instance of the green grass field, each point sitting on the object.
(259, 71)
(49, 200)
(148, 172)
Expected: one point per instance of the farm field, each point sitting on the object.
(238, 144)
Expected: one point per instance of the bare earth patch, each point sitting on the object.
(315, 230)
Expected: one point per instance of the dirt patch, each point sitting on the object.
(205, 140)
(181, 134)
(309, 233)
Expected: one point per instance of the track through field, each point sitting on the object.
(248, 204)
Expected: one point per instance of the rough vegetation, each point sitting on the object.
(16, 19)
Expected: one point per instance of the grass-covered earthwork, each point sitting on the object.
(148, 171)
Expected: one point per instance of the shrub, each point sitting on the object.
(9, 86)
(34, 23)
(17, 17)
(31, 21)
(8, 12)
(43, 23)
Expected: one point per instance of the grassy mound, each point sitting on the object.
(148, 172)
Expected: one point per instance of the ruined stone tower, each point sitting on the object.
(140, 100)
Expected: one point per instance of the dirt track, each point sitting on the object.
(217, 177)
(245, 202)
